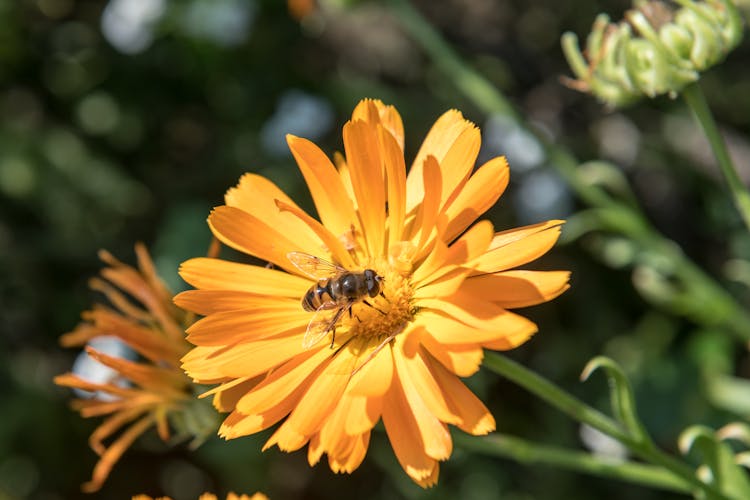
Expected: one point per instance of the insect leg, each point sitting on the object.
(336, 317)
(368, 304)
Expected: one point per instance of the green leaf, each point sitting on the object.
(720, 467)
(621, 396)
(729, 393)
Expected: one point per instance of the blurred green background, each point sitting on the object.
(126, 120)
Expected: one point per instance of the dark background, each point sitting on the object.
(127, 121)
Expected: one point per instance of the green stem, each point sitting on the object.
(582, 412)
(697, 102)
(552, 394)
(487, 98)
(529, 453)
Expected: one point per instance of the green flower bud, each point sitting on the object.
(654, 51)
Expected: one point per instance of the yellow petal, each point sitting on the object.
(353, 458)
(346, 179)
(282, 382)
(480, 193)
(446, 279)
(458, 163)
(395, 171)
(217, 274)
(519, 288)
(325, 185)
(257, 196)
(517, 247)
(476, 419)
(209, 363)
(238, 424)
(508, 341)
(330, 244)
(286, 438)
(366, 111)
(472, 244)
(226, 395)
(417, 379)
(205, 302)
(247, 233)
(247, 325)
(470, 308)
(428, 209)
(434, 265)
(447, 330)
(333, 438)
(364, 413)
(322, 394)
(444, 286)
(391, 121)
(366, 170)
(374, 111)
(462, 359)
(373, 378)
(438, 142)
(315, 450)
(432, 479)
(433, 433)
(405, 437)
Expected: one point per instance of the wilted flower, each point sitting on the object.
(656, 50)
(428, 290)
(151, 391)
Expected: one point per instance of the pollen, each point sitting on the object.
(391, 313)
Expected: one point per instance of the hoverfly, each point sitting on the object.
(336, 291)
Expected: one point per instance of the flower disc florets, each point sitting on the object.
(391, 312)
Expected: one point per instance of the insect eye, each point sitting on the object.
(372, 281)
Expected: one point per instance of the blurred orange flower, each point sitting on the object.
(210, 496)
(135, 394)
(446, 289)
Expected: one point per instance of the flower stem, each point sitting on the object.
(552, 394)
(582, 412)
(697, 102)
(530, 453)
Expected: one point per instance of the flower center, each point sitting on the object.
(390, 314)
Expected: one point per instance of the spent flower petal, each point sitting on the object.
(135, 394)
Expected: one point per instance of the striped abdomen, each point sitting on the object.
(319, 294)
(336, 291)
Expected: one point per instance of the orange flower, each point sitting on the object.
(446, 290)
(143, 392)
(210, 496)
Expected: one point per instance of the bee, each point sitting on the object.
(336, 291)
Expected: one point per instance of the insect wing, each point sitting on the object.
(322, 322)
(313, 266)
